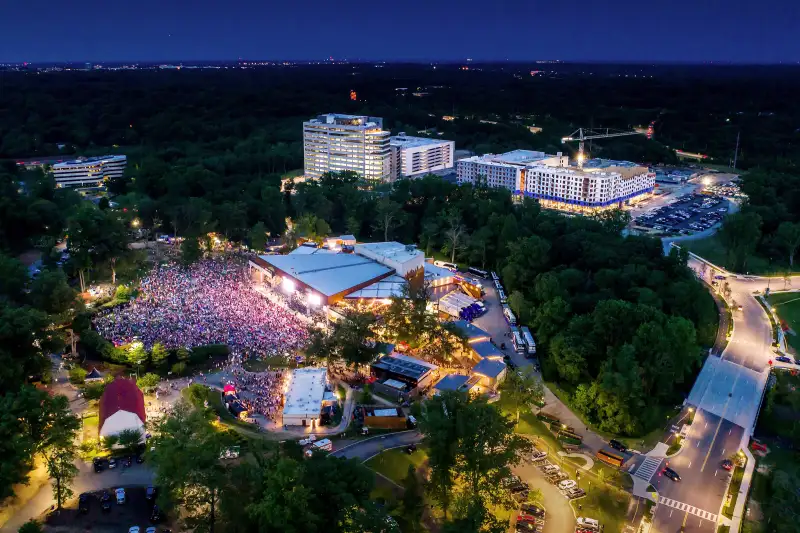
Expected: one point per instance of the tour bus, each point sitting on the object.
(530, 344)
(445, 264)
(502, 296)
(495, 277)
(516, 340)
(510, 318)
(611, 457)
(478, 272)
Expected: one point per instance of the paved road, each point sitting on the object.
(727, 395)
(87, 481)
(367, 448)
(560, 517)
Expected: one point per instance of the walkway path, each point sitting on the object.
(557, 408)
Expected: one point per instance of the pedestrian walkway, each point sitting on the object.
(685, 507)
(648, 467)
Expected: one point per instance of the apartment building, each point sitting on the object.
(600, 184)
(334, 143)
(416, 156)
(89, 171)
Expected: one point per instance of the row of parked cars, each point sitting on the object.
(99, 463)
(553, 473)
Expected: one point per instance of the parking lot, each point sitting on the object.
(689, 214)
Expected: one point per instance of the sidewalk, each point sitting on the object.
(555, 407)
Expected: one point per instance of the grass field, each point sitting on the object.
(711, 249)
(606, 504)
(787, 305)
(394, 463)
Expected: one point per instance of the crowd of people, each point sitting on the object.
(259, 392)
(210, 302)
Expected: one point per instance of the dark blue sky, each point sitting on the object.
(764, 31)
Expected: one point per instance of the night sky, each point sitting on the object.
(744, 31)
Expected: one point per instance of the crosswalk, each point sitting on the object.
(685, 507)
(648, 468)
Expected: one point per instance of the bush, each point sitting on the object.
(123, 293)
(31, 526)
(365, 398)
(200, 354)
(148, 382)
(179, 369)
(93, 391)
(77, 375)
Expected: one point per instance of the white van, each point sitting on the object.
(320, 445)
(588, 523)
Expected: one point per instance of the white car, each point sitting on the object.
(120, 493)
(567, 484)
(588, 523)
(150, 529)
(134, 529)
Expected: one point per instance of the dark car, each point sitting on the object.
(83, 503)
(783, 359)
(533, 510)
(156, 515)
(105, 501)
(140, 459)
(97, 464)
(150, 493)
(617, 445)
(128, 461)
(670, 473)
(411, 448)
(518, 487)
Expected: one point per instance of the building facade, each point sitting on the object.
(599, 185)
(416, 156)
(89, 172)
(335, 143)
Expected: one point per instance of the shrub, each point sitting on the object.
(93, 391)
(77, 375)
(201, 354)
(148, 382)
(179, 369)
(123, 292)
(31, 526)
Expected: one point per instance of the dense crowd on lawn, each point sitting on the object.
(210, 302)
(259, 392)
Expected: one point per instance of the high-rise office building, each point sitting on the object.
(416, 156)
(600, 184)
(334, 143)
(89, 171)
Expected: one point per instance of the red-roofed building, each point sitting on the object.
(121, 408)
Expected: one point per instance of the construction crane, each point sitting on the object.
(584, 134)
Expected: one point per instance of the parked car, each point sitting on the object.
(139, 459)
(83, 503)
(671, 474)
(105, 501)
(112, 463)
(533, 510)
(411, 448)
(588, 523)
(134, 529)
(97, 464)
(526, 518)
(150, 493)
(156, 515)
(727, 464)
(120, 493)
(617, 445)
(783, 359)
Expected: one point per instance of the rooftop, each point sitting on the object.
(489, 368)
(328, 273)
(310, 250)
(404, 366)
(306, 391)
(471, 331)
(406, 141)
(90, 160)
(385, 288)
(451, 382)
(515, 157)
(392, 250)
(348, 120)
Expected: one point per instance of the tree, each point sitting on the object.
(521, 389)
(60, 463)
(257, 236)
(413, 502)
(129, 439)
(352, 339)
(148, 382)
(182, 354)
(788, 235)
(137, 355)
(519, 305)
(187, 464)
(179, 368)
(388, 216)
(159, 355)
(57, 432)
(740, 234)
(31, 526)
(613, 220)
(455, 233)
(190, 250)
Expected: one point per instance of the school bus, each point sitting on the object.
(611, 457)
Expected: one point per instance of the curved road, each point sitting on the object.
(368, 448)
(727, 395)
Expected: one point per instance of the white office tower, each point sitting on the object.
(333, 143)
(600, 184)
(89, 171)
(416, 156)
